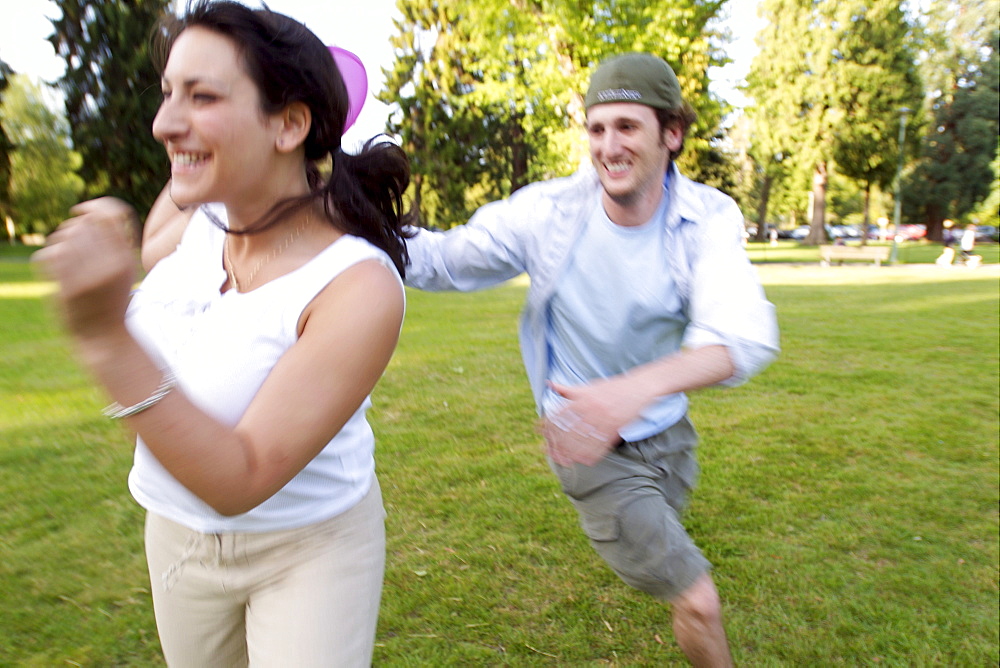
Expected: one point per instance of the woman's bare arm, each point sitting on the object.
(348, 334)
(163, 230)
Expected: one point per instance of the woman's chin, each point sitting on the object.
(183, 198)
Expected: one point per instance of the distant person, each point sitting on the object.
(245, 359)
(640, 292)
(948, 234)
(968, 243)
(947, 255)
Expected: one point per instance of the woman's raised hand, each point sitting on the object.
(92, 258)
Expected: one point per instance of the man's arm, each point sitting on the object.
(587, 427)
(732, 335)
(486, 251)
(164, 228)
(501, 240)
(727, 305)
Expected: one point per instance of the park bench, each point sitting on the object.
(876, 254)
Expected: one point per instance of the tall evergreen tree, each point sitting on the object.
(962, 67)
(6, 148)
(877, 79)
(523, 86)
(112, 93)
(771, 149)
(443, 138)
(793, 92)
(828, 83)
(989, 209)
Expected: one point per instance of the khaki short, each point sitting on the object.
(630, 505)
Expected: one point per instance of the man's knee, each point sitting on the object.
(698, 625)
(699, 603)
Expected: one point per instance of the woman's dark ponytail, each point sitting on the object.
(366, 195)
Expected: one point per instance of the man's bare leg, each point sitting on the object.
(698, 625)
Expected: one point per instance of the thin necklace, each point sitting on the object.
(275, 252)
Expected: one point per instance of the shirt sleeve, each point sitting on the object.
(486, 251)
(727, 303)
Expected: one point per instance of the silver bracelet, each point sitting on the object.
(116, 411)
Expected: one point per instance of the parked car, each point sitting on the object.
(913, 232)
(986, 233)
(752, 229)
(876, 233)
(910, 232)
(843, 232)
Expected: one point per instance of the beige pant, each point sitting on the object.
(302, 597)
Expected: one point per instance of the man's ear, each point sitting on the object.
(673, 138)
(295, 122)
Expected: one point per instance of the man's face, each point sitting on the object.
(629, 151)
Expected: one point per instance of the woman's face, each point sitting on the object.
(220, 144)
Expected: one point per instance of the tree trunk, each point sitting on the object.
(416, 184)
(518, 158)
(934, 219)
(817, 226)
(867, 217)
(765, 194)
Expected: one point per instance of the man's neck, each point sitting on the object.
(631, 213)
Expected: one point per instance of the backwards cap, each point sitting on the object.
(635, 77)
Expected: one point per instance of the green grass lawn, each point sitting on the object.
(848, 500)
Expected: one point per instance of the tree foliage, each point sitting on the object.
(43, 184)
(112, 94)
(443, 140)
(6, 147)
(792, 93)
(828, 83)
(490, 94)
(962, 65)
(989, 210)
(877, 81)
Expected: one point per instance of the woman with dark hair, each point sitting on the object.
(245, 359)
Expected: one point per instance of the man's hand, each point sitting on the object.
(588, 425)
(571, 440)
(586, 428)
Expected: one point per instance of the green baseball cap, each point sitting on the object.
(635, 77)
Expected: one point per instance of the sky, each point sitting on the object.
(361, 26)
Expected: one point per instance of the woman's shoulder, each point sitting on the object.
(342, 254)
(351, 273)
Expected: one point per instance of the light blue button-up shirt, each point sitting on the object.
(536, 231)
